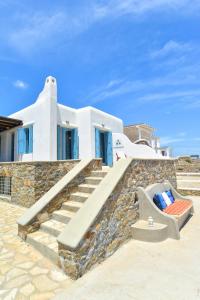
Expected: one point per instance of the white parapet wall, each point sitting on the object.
(122, 144)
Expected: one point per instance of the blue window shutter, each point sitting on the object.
(21, 137)
(30, 150)
(59, 143)
(63, 144)
(75, 144)
(109, 149)
(97, 143)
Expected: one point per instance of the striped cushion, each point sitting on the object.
(178, 207)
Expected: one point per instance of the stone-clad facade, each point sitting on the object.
(56, 202)
(33, 179)
(188, 165)
(112, 227)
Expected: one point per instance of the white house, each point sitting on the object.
(50, 131)
(145, 135)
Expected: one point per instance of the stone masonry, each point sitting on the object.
(112, 227)
(188, 165)
(57, 202)
(31, 180)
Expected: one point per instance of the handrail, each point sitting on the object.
(36, 208)
(78, 226)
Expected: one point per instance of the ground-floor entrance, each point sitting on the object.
(103, 146)
(68, 146)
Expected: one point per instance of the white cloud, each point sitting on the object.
(182, 134)
(171, 47)
(114, 88)
(20, 84)
(170, 140)
(138, 7)
(170, 95)
(177, 81)
(179, 138)
(34, 31)
(37, 31)
(194, 104)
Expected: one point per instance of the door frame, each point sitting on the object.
(61, 143)
(107, 144)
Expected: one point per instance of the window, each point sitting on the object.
(5, 185)
(25, 140)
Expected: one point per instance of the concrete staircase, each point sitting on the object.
(188, 183)
(45, 239)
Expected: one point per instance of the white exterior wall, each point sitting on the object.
(85, 133)
(45, 114)
(122, 144)
(91, 118)
(29, 116)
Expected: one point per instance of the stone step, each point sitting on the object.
(79, 197)
(73, 206)
(45, 244)
(106, 168)
(188, 178)
(86, 188)
(188, 191)
(63, 215)
(93, 180)
(53, 227)
(142, 232)
(188, 174)
(99, 173)
(188, 184)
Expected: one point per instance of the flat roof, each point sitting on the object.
(9, 123)
(139, 125)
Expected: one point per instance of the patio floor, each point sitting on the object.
(24, 273)
(162, 271)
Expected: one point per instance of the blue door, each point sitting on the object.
(75, 144)
(97, 143)
(103, 146)
(67, 143)
(109, 149)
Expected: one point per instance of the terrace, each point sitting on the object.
(138, 270)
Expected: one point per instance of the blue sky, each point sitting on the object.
(136, 59)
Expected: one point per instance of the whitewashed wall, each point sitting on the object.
(122, 144)
(45, 114)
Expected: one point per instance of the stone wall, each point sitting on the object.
(189, 192)
(188, 165)
(56, 203)
(30, 180)
(112, 227)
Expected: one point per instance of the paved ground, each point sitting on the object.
(24, 273)
(145, 271)
(162, 271)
